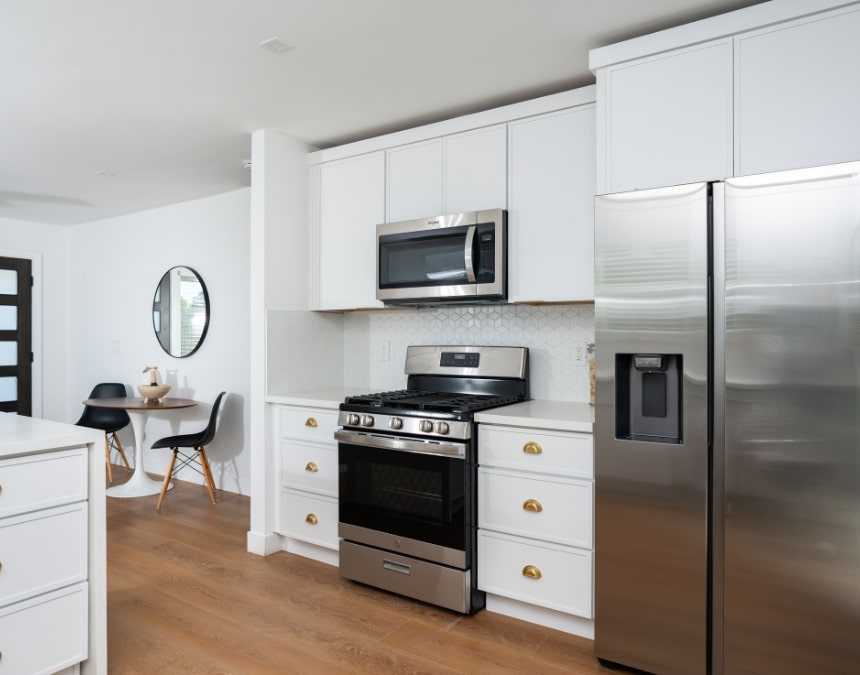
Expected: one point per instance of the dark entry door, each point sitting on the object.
(16, 336)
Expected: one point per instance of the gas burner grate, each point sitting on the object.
(429, 401)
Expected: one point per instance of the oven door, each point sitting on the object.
(406, 495)
(454, 257)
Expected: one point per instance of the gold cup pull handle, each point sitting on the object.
(311, 422)
(532, 505)
(532, 572)
(532, 448)
(311, 519)
(312, 467)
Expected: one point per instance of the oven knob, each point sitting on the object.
(441, 428)
(426, 426)
(395, 423)
(367, 420)
(353, 420)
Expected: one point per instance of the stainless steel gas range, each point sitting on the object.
(408, 473)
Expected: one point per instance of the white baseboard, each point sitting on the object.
(575, 625)
(264, 543)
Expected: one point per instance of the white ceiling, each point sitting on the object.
(114, 106)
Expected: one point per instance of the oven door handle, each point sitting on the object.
(457, 450)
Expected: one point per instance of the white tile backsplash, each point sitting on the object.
(554, 335)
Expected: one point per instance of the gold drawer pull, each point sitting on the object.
(312, 467)
(311, 422)
(311, 519)
(532, 448)
(532, 505)
(532, 572)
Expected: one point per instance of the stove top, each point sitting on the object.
(446, 386)
(407, 401)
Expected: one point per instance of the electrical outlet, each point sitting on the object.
(579, 352)
(382, 350)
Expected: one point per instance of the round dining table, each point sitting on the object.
(138, 409)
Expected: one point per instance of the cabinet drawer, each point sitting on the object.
(564, 574)
(43, 480)
(313, 424)
(553, 452)
(44, 634)
(309, 467)
(555, 509)
(42, 551)
(309, 517)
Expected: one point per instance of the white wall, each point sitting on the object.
(114, 267)
(47, 247)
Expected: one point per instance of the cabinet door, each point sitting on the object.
(551, 209)
(351, 204)
(415, 181)
(475, 166)
(798, 94)
(668, 119)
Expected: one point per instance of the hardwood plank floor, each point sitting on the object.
(184, 596)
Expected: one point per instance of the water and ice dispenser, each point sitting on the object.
(648, 389)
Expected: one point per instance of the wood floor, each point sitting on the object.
(184, 596)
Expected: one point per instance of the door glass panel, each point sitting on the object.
(8, 282)
(8, 353)
(8, 317)
(8, 388)
(426, 261)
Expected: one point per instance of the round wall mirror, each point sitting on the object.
(180, 311)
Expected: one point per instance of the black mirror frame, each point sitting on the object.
(205, 300)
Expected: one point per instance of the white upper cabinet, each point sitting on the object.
(456, 166)
(452, 174)
(769, 87)
(666, 119)
(351, 203)
(476, 170)
(798, 93)
(551, 207)
(415, 181)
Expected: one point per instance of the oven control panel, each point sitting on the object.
(460, 360)
(407, 424)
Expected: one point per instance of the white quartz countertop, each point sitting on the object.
(557, 415)
(319, 398)
(22, 435)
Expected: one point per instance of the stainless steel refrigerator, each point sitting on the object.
(727, 425)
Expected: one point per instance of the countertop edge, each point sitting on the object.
(543, 414)
(317, 398)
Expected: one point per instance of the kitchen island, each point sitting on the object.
(53, 593)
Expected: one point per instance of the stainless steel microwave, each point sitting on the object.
(460, 257)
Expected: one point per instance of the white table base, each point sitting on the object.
(140, 484)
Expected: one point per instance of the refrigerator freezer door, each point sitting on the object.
(792, 357)
(651, 429)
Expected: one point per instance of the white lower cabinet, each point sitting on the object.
(308, 470)
(44, 559)
(535, 517)
(45, 634)
(536, 572)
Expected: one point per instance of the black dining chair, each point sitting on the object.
(197, 442)
(108, 420)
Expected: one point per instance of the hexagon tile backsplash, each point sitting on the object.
(556, 336)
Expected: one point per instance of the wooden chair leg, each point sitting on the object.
(166, 483)
(207, 473)
(121, 452)
(107, 460)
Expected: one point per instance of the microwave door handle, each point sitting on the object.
(470, 262)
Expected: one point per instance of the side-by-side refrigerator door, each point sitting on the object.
(651, 429)
(792, 401)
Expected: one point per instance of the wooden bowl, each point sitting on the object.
(153, 392)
